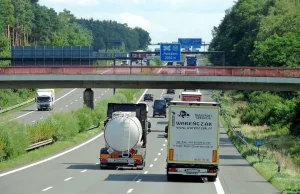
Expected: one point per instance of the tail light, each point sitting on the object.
(103, 160)
(214, 156)
(173, 169)
(138, 161)
(171, 154)
(212, 170)
(115, 155)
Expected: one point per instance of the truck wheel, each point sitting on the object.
(165, 116)
(211, 178)
(153, 116)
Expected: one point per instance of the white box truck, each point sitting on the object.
(191, 96)
(45, 99)
(193, 139)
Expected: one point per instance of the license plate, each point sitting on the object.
(192, 171)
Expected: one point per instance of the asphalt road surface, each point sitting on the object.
(78, 172)
(66, 100)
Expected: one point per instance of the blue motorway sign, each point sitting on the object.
(258, 142)
(170, 52)
(190, 42)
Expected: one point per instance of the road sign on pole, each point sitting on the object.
(170, 52)
(190, 42)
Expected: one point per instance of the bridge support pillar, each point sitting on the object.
(88, 98)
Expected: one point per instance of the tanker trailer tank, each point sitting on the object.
(123, 142)
(123, 132)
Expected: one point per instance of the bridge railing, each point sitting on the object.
(153, 70)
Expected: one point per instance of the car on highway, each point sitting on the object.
(170, 91)
(159, 108)
(168, 98)
(148, 97)
(169, 63)
(124, 62)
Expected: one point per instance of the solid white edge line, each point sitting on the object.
(219, 187)
(34, 111)
(53, 157)
(63, 153)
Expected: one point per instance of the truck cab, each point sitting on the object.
(45, 99)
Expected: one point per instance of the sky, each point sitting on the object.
(165, 20)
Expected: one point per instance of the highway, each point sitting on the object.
(66, 100)
(78, 172)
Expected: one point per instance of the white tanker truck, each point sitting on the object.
(125, 136)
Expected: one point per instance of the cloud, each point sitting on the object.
(134, 20)
(69, 3)
(165, 20)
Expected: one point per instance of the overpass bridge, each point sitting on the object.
(204, 77)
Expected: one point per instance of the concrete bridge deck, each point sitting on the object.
(204, 77)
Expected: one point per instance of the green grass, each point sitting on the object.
(67, 129)
(289, 180)
(48, 150)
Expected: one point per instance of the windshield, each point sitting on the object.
(159, 103)
(148, 95)
(43, 99)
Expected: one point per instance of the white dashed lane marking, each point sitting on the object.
(47, 188)
(67, 179)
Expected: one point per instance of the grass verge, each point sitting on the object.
(68, 129)
(289, 180)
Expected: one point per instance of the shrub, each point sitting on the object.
(16, 137)
(13, 140)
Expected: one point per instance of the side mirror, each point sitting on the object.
(149, 125)
(166, 129)
(149, 130)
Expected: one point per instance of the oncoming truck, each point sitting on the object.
(125, 135)
(193, 139)
(45, 99)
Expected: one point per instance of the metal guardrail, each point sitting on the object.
(39, 144)
(140, 70)
(16, 106)
(50, 141)
(232, 127)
